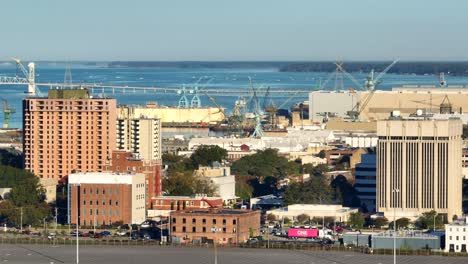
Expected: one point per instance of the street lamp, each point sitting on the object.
(394, 192)
(214, 230)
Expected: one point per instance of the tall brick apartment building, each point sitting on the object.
(127, 162)
(67, 131)
(221, 225)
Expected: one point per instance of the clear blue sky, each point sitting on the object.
(234, 29)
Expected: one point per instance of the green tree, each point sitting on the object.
(403, 222)
(264, 163)
(186, 184)
(322, 154)
(314, 191)
(426, 220)
(205, 155)
(381, 221)
(344, 190)
(271, 217)
(318, 170)
(243, 189)
(356, 220)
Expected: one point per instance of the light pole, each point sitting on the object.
(77, 226)
(214, 229)
(268, 233)
(394, 192)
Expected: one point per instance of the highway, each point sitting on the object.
(25, 254)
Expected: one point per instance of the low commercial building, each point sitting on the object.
(456, 236)
(223, 226)
(338, 212)
(266, 202)
(406, 239)
(220, 176)
(163, 205)
(127, 162)
(106, 198)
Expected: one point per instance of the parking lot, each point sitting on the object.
(154, 254)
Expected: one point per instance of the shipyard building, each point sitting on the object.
(406, 99)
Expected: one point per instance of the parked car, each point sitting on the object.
(106, 233)
(97, 235)
(73, 233)
(121, 233)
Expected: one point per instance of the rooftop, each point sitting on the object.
(215, 212)
(102, 178)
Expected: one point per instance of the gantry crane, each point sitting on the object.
(7, 112)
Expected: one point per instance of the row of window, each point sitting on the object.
(457, 238)
(194, 229)
(90, 202)
(103, 191)
(194, 221)
(103, 212)
(457, 229)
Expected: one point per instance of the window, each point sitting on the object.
(204, 221)
(84, 211)
(97, 191)
(194, 229)
(103, 202)
(183, 229)
(84, 202)
(457, 238)
(204, 229)
(173, 229)
(224, 230)
(110, 202)
(103, 191)
(234, 222)
(116, 202)
(224, 221)
(97, 202)
(116, 212)
(110, 191)
(183, 220)
(90, 211)
(194, 220)
(84, 190)
(214, 221)
(110, 212)
(90, 190)
(173, 220)
(116, 191)
(103, 212)
(90, 202)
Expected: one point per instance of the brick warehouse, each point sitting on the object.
(220, 225)
(127, 162)
(106, 198)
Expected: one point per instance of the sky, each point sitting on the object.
(219, 30)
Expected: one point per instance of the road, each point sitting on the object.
(153, 254)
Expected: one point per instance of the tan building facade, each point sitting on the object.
(106, 198)
(419, 167)
(140, 135)
(220, 225)
(67, 131)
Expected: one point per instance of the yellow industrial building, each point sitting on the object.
(173, 115)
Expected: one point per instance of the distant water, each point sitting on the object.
(223, 79)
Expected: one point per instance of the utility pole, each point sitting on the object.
(21, 220)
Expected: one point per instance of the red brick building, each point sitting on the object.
(106, 198)
(126, 162)
(220, 225)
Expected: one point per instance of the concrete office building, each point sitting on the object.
(365, 181)
(140, 135)
(67, 131)
(106, 198)
(419, 167)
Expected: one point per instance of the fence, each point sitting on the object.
(285, 245)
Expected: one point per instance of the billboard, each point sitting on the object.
(302, 232)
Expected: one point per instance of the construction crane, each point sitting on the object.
(257, 112)
(29, 75)
(370, 85)
(7, 112)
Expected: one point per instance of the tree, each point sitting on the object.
(318, 170)
(322, 154)
(186, 184)
(345, 191)
(302, 218)
(314, 191)
(286, 220)
(356, 220)
(243, 189)
(205, 155)
(426, 220)
(264, 163)
(403, 222)
(271, 217)
(381, 221)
